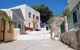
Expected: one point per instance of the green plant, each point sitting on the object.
(44, 11)
(66, 12)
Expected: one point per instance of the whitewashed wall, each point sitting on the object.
(27, 19)
(25, 12)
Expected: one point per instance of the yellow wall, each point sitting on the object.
(1, 36)
(8, 36)
(16, 33)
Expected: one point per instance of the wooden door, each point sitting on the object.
(2, 29)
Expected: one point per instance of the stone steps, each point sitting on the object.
(34, 36)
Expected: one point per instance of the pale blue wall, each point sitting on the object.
(71, 24)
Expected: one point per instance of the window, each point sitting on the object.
(19, 26)
(37, 18)
(62, 27)
(74, 17)
(29, 14)
(33, 16)
(29, 24)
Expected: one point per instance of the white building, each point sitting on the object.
(24, 17)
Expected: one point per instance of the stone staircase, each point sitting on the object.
(35, 35)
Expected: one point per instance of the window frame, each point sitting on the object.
(29, 14)
(75, 17)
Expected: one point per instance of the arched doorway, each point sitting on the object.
(62, 27)
(2, 30)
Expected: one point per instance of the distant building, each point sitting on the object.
(24, 17)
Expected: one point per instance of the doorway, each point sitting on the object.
(34, 26)
(2, 30)
(62, 27)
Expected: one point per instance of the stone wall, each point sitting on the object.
(16, 33)
(9, 33)
(71, 38)
(55, 23)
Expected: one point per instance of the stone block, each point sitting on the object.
(71, 38)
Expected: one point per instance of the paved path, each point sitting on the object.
(34, 35)
(34, 45)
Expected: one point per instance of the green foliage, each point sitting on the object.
(6, 17)
(50, 20)
(66, 12)
(45, 13)
(10, 20)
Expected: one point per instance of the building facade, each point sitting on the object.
(17, 16)
(24, 17)
(32, 19)
(74, 18)
(6, 27)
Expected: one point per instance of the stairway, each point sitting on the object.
(35, 35)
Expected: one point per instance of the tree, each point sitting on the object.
(66, 12)
(6, 17)
(45, 13)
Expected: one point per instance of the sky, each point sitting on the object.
(56, 6)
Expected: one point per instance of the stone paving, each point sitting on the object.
(46, 44)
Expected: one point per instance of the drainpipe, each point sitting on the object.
(66, 23)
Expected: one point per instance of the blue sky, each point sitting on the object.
(56, 6)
